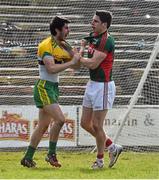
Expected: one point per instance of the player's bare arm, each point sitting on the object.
(78, 64)
(82, 48)
(94, 62)
(55, 68)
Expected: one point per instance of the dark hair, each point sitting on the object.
(57, 23)
(105, 16)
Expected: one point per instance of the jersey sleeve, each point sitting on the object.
(110, 44)
(44, 50)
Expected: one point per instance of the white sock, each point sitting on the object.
(112, 148)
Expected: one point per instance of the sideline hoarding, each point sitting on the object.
(18, 122)
(140, 129)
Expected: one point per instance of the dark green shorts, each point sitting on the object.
(45, 93)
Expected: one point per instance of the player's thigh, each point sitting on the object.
(44, 119)
(55, 112)
(98, 117)
(86, 116)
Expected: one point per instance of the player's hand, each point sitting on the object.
(75, 50)
(82, 48)
(76, 58)
(83, 43)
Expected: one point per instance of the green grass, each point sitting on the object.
(76, 165)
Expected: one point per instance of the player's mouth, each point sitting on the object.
(66, 35)
(93, 27)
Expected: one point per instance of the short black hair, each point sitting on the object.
(57, 23)
(105, 16)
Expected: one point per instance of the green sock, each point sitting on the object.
(52, 147)
(30, 152)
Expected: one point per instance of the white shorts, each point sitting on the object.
(99, 95)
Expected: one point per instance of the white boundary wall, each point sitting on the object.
(17, 124)
(141, 128)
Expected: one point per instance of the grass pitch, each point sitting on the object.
(76, 165)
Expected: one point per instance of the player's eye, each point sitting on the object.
(66, 27)
(95, 21)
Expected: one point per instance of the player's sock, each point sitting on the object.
(111, 148)
(52, 147)
(100, 156)
(30, 152)
(108, 143)
(99, 163)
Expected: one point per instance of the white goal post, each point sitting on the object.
(134, 98)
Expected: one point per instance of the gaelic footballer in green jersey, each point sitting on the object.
(104, 43)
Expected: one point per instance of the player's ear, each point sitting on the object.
(105, 24)
(57, 30)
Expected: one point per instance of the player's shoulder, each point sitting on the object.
(110, 38)
(110, 43)
(46, 42)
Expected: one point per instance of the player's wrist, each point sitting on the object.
(82, 48)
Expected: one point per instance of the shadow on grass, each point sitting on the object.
(91, 171)
(94, 171)
(45, 169)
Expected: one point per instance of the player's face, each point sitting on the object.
(97, 24)
(64, 32)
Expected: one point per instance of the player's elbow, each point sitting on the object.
(92, 67)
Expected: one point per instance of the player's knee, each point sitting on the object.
(42, 129)
(61, 121)
(96, 127)
(83, 125)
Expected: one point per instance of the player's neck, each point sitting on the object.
(99, 33)
(103, 31)
(58, 40)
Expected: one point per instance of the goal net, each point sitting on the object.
(133, 122)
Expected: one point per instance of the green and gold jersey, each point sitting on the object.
(60, 54)
(49, 47)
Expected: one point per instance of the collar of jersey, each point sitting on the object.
(93, 35)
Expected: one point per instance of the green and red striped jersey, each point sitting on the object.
(104, 43)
